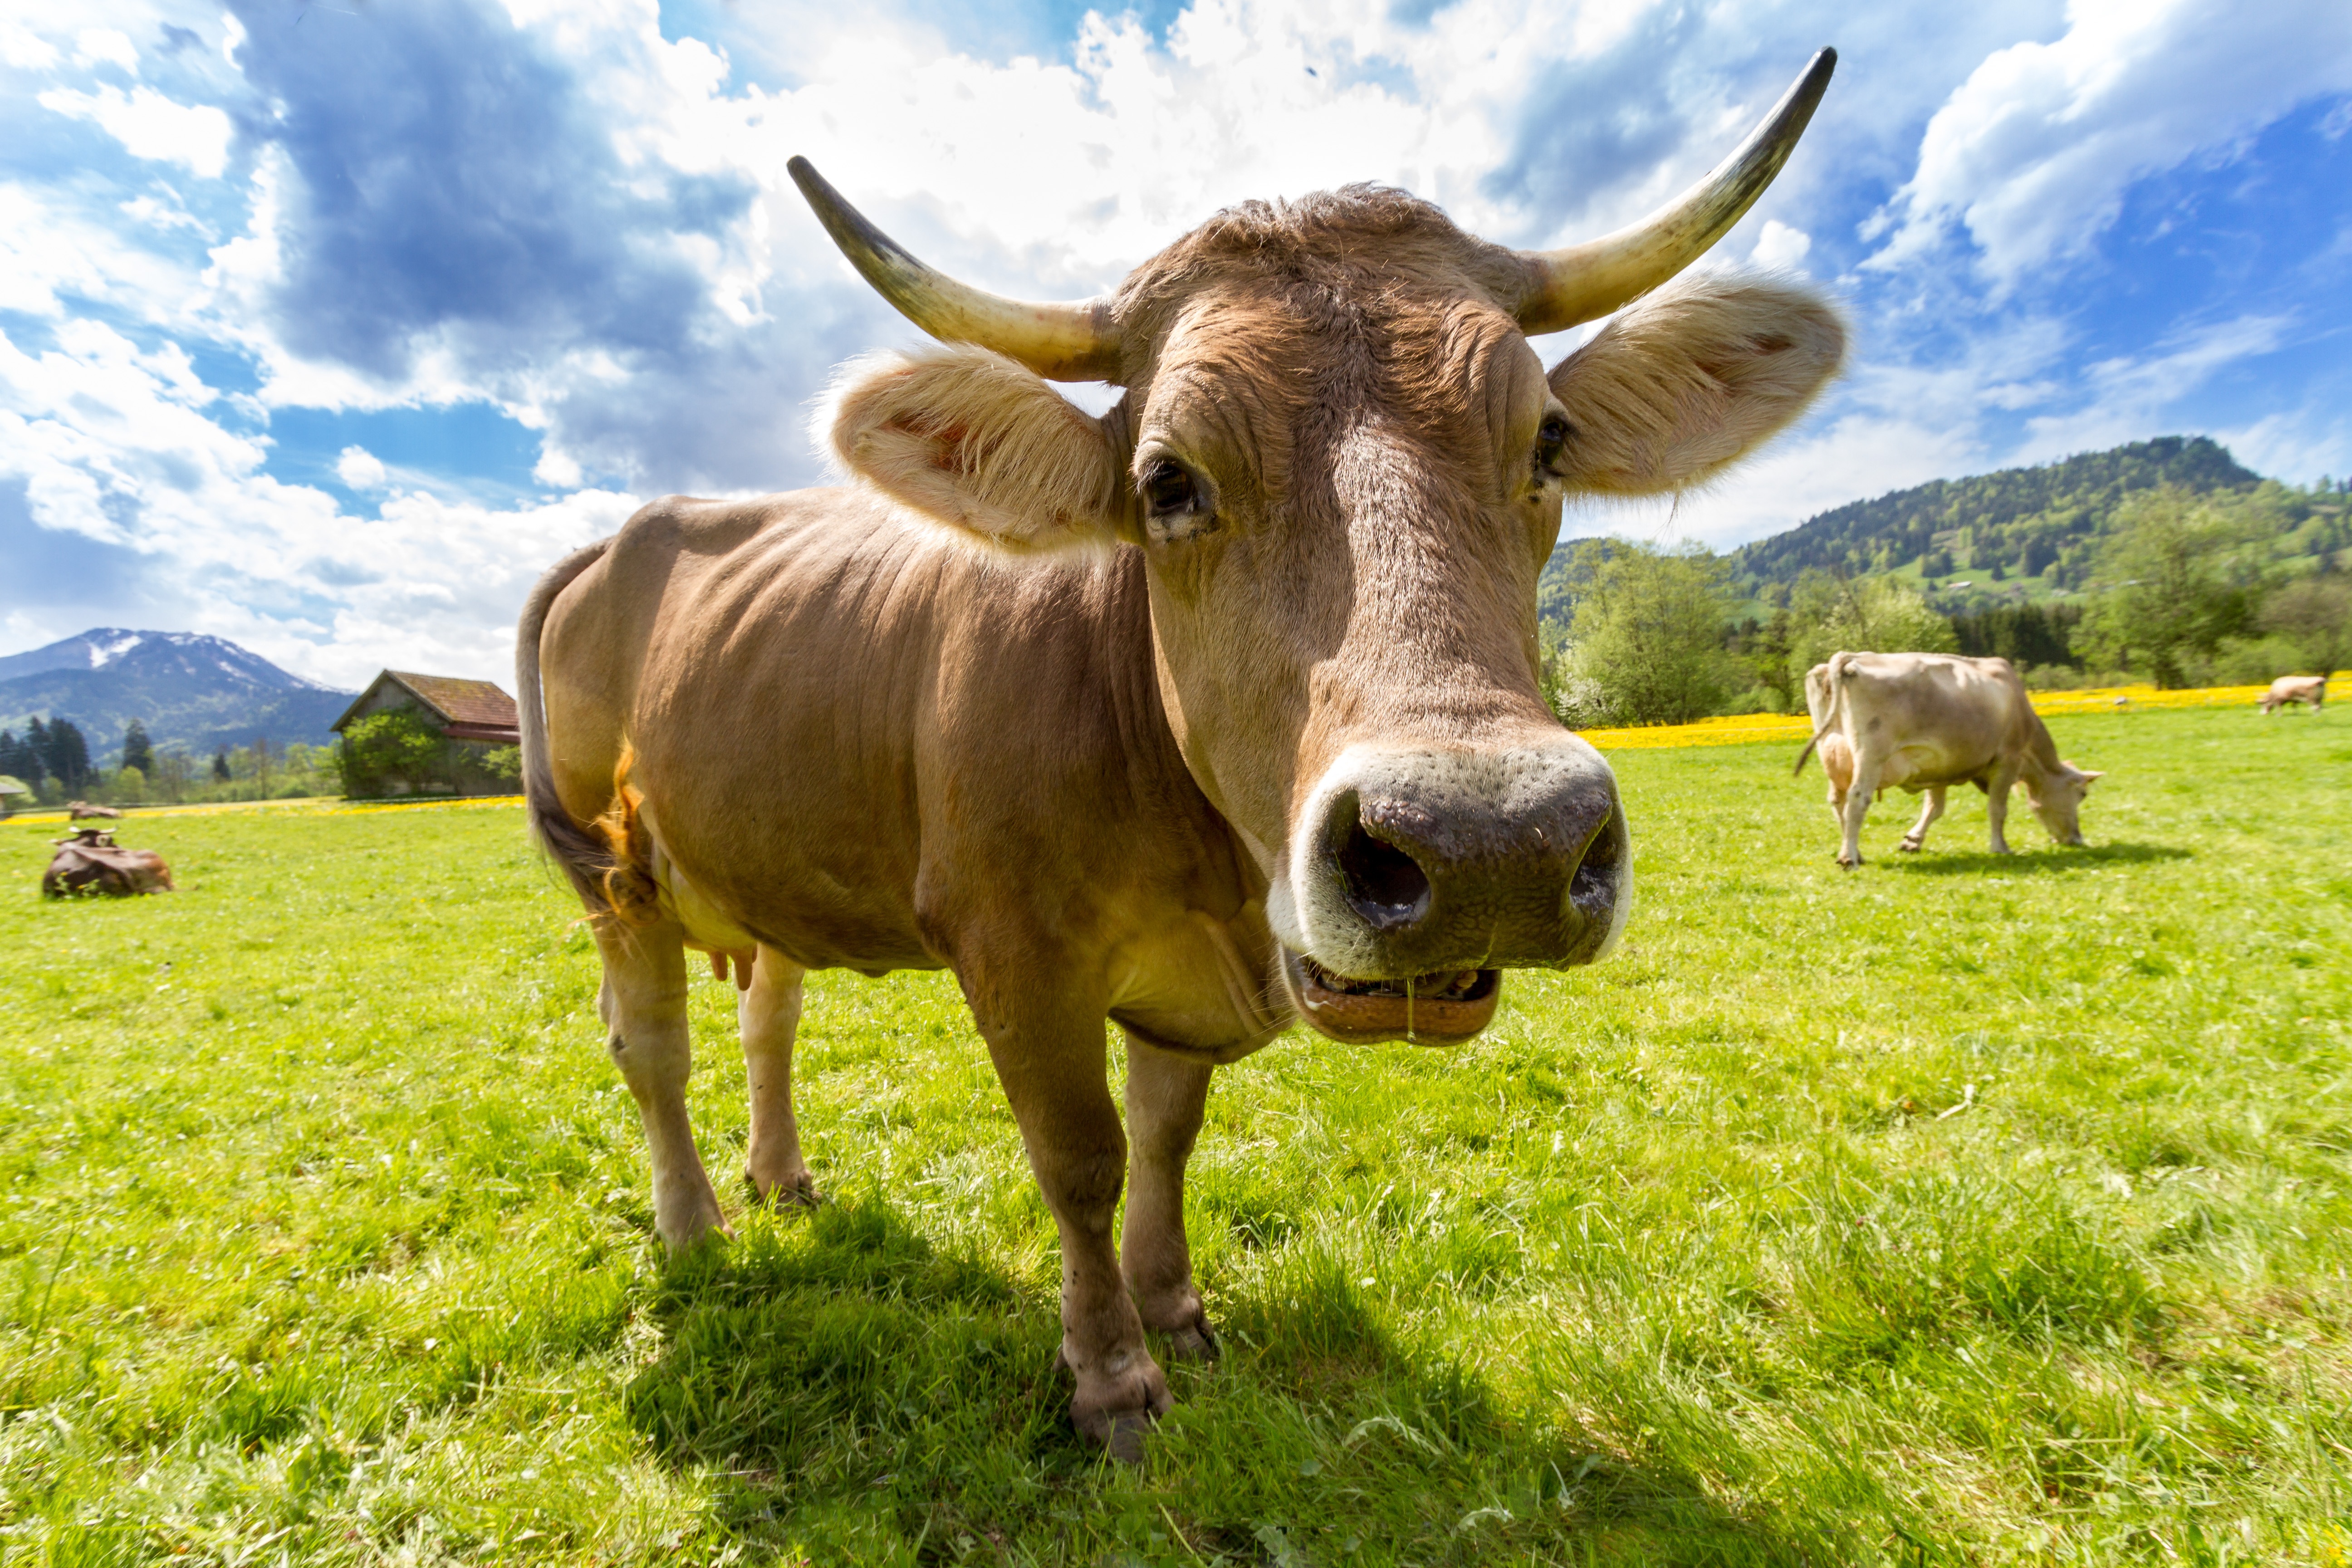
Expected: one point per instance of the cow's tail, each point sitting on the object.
(1829, 713)
(600, 857)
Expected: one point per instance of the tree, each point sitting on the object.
(138, 751)
(1646, 645)
(2314, 614)
(221, 773)
(2170, 593)
(1763, 648)
(396, 746)
(66, 752)
(174, 771)
(21, 760)
(1860, 615)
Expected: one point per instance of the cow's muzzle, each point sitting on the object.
(1420, 875)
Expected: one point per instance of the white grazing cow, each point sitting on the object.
(2292, 688)
(1925, 721)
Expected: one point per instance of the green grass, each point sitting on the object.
(1953, 1210)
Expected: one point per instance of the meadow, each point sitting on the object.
(1953, 1210)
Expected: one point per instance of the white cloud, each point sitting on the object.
(94, 46)
(1781, 247)
(2034, 153)
(2126, 398)
(359, 469)
(151, 126)
(99, 432)
(23, 49)
(556, 468)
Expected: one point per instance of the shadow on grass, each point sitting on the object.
(2053, 860)
(843, 1384)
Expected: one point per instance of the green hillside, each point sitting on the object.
(2034, 530)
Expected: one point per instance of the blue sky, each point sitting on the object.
(325, 326)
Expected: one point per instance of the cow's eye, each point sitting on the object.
(1169, 489)
(1551, 442)
(1174, 503)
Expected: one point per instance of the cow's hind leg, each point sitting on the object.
(643, 1007)
(769, 1009)
(1928, 816)
(1166, 1094)
(1856, 811)
(1054, 1072)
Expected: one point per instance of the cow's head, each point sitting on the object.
(1344, 467)
(2056, 795)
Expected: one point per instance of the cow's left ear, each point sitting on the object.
(981, 444)
(1691, 378)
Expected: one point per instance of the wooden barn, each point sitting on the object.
(476, 724)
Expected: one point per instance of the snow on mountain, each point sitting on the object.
(187, 689)
(186, 654)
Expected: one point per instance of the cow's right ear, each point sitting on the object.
(980, 443)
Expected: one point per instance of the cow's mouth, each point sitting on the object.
(1441, 1009)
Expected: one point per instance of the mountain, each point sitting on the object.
(2016, 523)
(191, 691)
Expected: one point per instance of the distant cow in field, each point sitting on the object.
(81, 810)
(2308, 690)
(91, 862)
(1927, 720)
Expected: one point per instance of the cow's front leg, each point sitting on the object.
(2004, 779)
(643, 1004)
(1928, 816)
(1166, 1094)
(1054, 1072)
(769, 1011)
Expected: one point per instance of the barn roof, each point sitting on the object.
(468, 709)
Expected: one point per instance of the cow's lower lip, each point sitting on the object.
(1441, 1009)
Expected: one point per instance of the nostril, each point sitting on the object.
(1384, 884)
(1594, 887)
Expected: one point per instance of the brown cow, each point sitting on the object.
(1210, 714)
(1925, 721)
(2309, 690)
(90, 861)
(81, 811)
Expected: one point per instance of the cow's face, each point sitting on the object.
(2056, 796)
(1344, 484)
(1344, 468)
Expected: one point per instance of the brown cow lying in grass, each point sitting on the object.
(80, 810)
(1927, 720)
(2288, 689)
(91, 862)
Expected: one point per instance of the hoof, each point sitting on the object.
(1909, 847)
(695, 1224)
(1194, 1341)
(1848, 865)
(1125, 1440)
(796, 1191)
(1115, 1409)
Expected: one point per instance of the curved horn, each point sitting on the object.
(1059, 342)
(1580, 282)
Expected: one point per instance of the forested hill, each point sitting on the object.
(2019, 522)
